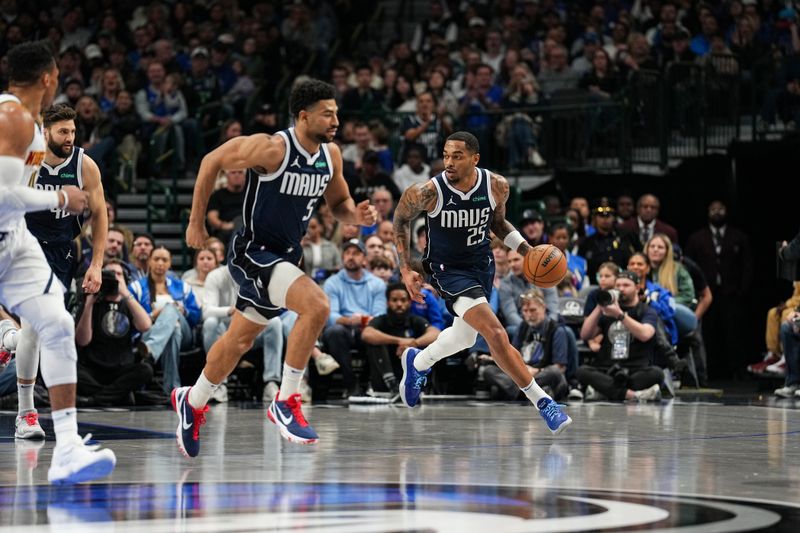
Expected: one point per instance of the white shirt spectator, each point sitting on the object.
(405, 177)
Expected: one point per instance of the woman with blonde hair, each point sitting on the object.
(674, 277)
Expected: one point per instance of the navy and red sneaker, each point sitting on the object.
(189, 422)
(288, 416)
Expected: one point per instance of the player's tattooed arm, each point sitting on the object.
(415, 200)
(499, 225)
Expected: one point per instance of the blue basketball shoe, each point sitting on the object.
(413, 379)
(557, 420)
(288, 416)
(189, 422)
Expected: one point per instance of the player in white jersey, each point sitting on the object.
(55, 230)
(28, 287)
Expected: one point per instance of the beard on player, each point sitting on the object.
(62, 150)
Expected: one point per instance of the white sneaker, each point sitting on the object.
(220, 394)
(27, 426)
(787, 392)
(270, 392)
(650, 394)
(75, 462)
(591, 395)
(536, 158)
(325, 364)
(305, 392)
(575, 394)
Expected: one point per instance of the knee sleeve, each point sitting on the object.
(56, 331)
(283, 275)
(27, 352)
(457, 337)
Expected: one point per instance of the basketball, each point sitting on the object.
(545, 266)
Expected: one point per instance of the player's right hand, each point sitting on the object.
(196, 235)
(77, 200)
(413, 282)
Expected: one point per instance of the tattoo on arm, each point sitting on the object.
(499, 225)
(414, 201)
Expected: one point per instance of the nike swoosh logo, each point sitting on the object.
(183, 423)
(286, 421)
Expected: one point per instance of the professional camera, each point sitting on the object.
(109, 286)
(607, 297)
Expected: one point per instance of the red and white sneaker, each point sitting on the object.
(778, 369)
(288, 416)
(27, 426)
(189, 422)
(769, 359)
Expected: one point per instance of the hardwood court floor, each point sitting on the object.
(485, 467)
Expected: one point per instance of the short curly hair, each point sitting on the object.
(27, 62)
(307, 93)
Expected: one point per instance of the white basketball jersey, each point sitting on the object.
(33, 160)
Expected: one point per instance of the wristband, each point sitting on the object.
(514, 239)
(66, 199)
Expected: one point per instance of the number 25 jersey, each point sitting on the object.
(458, 227)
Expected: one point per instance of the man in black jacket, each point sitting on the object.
(622, 369)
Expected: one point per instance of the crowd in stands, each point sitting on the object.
(187, 76)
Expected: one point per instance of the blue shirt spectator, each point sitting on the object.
(430, 310)
(179, 291)
(353, 290)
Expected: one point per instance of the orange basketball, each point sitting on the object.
(545, 266)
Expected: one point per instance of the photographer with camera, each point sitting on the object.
(622, 368)
(108, 370)
(790, 338)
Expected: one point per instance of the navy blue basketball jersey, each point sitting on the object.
(278, 206)
(458, 227)
(57, 226)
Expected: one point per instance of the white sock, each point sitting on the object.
(534, 392)
(65, 423)
(25, 398)
(428, 357)
(290, 384)
(201, 391)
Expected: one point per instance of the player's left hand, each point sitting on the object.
(92, 279)
(366, 214)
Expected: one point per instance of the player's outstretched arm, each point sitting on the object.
(338, 198)
(14, 196)
(502, 228)
(261, 152)
(93, 186)
(415, 200)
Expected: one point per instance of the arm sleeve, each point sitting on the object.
(507, 304)
(685, 294)
(211, 306)
(332, 290)
(559, 350)
(434, 313)
(792, 250)
(379, 299)
(193, 312)
(22, 199)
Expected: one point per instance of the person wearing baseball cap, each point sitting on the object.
(355, 297)
(622, 369)
(531, 226)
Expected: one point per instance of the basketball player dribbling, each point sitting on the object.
(288, 173)
(28, 287)
(463, 204)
